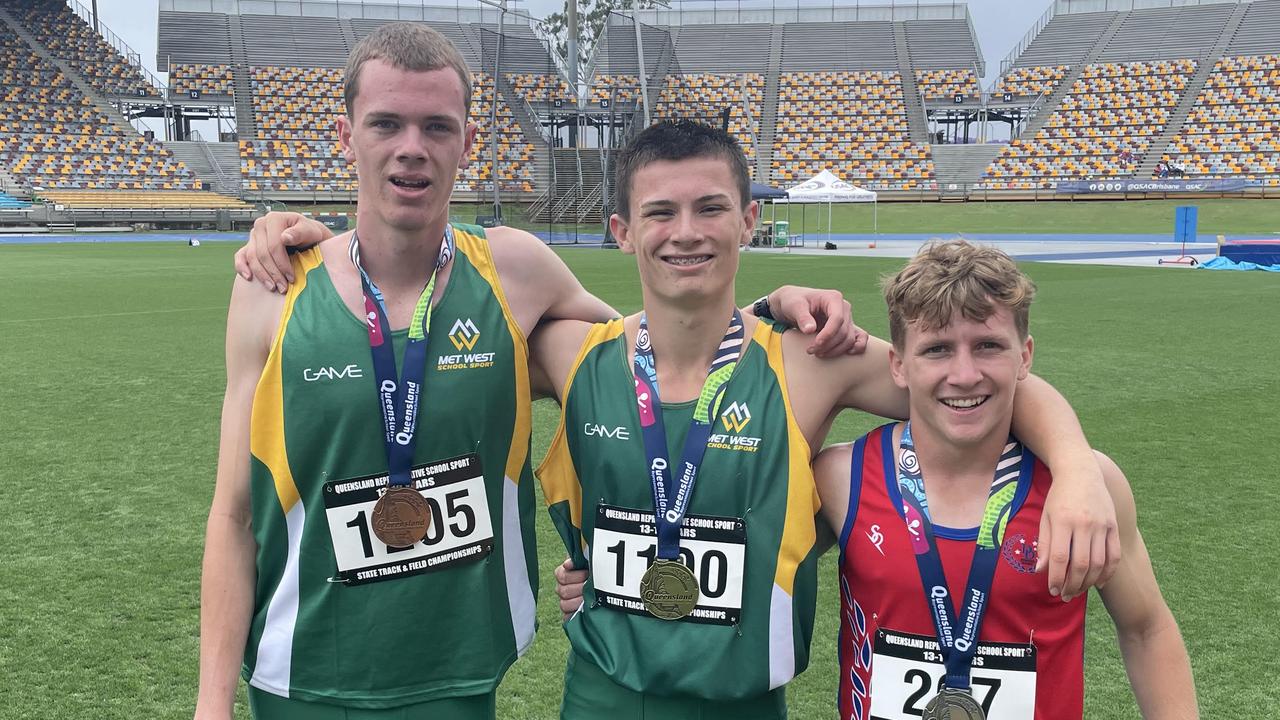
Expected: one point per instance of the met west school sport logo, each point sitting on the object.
(464, 335)
(735, 420)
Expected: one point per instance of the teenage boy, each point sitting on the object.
(941, 614)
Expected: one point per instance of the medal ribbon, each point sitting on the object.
(399, 396)
(671, 498)
(958, 637)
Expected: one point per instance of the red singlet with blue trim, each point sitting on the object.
(1030, 663)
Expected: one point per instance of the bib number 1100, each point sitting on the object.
(712, 570)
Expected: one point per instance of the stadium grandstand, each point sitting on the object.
(1173, 92)
(65, 141)
(1105, 96)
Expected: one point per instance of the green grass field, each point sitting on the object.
(112, 379)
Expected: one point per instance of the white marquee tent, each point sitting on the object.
(825, 187)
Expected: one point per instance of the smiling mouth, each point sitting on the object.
(410, 184)
(686, 260)
(964, 403)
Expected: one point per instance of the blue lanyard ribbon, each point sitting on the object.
(671, 499)
(399, 395)
(958, 636)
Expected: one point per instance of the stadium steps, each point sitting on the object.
(532, 130)
(579, 173)
(1051, 103)
(1158, 146)
(348, 32)
(217, 164)
(474, 44)
(917, 124)
(241, 88)
(70, 73)
(961, 165)
(10, 184)
(769, 113)
(588, 205)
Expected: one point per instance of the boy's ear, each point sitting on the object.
(621, 233)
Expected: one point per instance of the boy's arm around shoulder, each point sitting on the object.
(1079, 545)
(228, 572)
(537, 283)
(1155, 656)
(820, 387)
(553, 349)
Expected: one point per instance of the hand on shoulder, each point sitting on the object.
(265, 257)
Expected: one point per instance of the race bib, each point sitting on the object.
(625, 544)
(460, 529)
(907, 671)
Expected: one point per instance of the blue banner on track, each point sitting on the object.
(1128, 185)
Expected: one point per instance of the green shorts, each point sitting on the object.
(590, 694)
(265, 706)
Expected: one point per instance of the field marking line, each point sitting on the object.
(107, 315)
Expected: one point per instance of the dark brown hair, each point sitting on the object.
(678, 140)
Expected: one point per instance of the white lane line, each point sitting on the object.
(107, 315)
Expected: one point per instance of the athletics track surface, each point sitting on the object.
(1077, 248)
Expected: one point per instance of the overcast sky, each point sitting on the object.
(1000, 24)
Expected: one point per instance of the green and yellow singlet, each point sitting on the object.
(749, 535)
(338, 616)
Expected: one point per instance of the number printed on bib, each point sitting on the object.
(907, 671)
(625, 544)
(460, 529)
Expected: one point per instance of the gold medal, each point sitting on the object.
(401, 517)
(669, 590)
(951, 704)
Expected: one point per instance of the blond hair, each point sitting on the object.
(408, 46)
(951, 277)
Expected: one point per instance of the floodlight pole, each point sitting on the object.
(493, 115)
(501, 5)
(572, 7)
(643, 73)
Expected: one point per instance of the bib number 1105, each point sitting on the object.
(460, 515)
(460, 529)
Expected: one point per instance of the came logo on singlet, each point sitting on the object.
(734, 420)
(465, 336)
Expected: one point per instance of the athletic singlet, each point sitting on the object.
(1031, 645)
(749, 533)
(338, 616)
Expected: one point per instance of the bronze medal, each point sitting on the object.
(401, 517)
(669, 590)
(951, 704)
